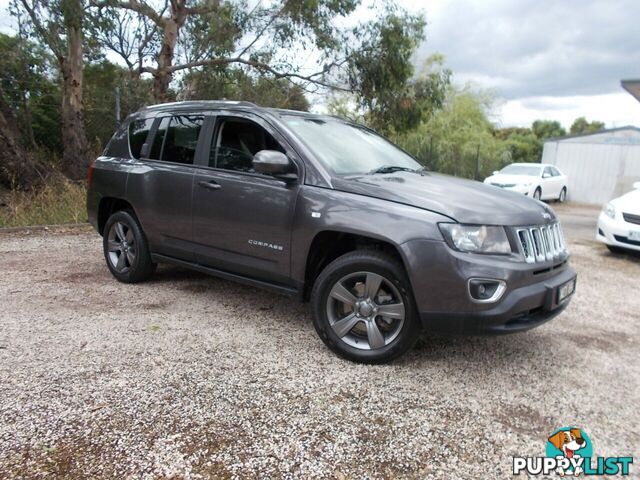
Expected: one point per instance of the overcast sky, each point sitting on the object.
(542, 59)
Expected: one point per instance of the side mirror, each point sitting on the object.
(496, 172)
(273, 162)
(636, 185)
(546, 175)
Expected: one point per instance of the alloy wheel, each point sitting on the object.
(121, 247)
(365, 310)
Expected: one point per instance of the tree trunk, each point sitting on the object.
(162, 76)
(76, 151)
(18, 169)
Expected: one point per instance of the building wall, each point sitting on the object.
(597, 170)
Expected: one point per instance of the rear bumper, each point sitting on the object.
(521, 309)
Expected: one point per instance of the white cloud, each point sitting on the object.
(615, 109)
(571, 55)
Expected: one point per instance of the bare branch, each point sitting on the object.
(134, 6)
(52, 41)
(263, 67)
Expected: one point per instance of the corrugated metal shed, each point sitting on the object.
(599, 166)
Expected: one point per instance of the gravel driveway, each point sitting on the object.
(187, 376)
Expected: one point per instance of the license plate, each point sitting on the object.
(566, 289)
(635, 235)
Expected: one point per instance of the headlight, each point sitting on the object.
(526, 184)
(609, 210)
(476, 238)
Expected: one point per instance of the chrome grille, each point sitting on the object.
(541, 243)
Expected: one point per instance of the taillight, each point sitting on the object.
(90, 174)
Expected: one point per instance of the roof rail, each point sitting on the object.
(200, 103)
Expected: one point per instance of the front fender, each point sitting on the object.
(321, 209)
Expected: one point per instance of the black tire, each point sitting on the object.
(141, 266)
(563, 195)
(614, 249)
(537, 194)
(394, 278)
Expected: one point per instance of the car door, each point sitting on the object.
(548, 184)
(160, 187)
(242, 219)
(559, 179)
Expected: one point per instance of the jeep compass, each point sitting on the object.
(327, 211)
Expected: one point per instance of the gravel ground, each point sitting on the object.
(187, 376)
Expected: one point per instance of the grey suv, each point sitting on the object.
(326, 210)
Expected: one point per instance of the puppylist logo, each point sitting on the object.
(570, 452)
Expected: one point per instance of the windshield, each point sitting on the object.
(348, 149)
(530, 170)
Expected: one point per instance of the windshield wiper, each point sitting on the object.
(391, 169)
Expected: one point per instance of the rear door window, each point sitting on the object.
(158, 139)
(181, 139)
(138, 131)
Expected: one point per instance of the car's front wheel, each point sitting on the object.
(363, 307)
(537, 194)
(125, 248)
(614, 249)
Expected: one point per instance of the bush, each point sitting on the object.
(58, 202)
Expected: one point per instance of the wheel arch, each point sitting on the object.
(327, 245)
(108, 206)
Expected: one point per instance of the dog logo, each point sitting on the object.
(568, 441)
(569, 452)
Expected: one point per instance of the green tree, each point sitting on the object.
(61, 26)
(29, 79)
(372, 60)
(522, 144)
(581, 126)
(101, 80)
(235, 84)
(458, 139)
(544, 129)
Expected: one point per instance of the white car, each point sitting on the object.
(619, 222)
(538, 180)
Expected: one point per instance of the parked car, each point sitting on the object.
(325, 210)
(619, 222)
(538, 180)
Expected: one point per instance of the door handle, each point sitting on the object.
(211, 185)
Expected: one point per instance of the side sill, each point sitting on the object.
(273, 287)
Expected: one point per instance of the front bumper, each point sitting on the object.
(524, 190)
(615, 232)
(439, 277)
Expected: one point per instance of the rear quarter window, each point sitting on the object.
(138, 132)
(118, 146)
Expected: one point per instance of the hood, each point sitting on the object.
(629, 202)
(510, 179)
(462, 200)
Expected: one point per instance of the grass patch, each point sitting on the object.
(55, 203)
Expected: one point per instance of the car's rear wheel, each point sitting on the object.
(125, 248)
(363, 307)
(563, 195)
(537, 194)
